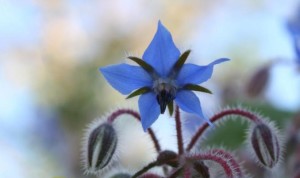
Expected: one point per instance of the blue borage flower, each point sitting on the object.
(161, 78)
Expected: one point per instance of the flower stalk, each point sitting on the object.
(113, 116)
(179, 131)
(221, 115)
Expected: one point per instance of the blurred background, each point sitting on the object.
(50, 86)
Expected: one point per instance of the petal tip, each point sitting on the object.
(159, 24)
(144, 128)
(220, 60)
(223, 59)
(145, 125)
(101, 69)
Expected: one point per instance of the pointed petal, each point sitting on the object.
(126, 78)
(190, 103)
(149, 109)
(162, 53)
(194, 74)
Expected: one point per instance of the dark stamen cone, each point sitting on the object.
(265, 145)
(164, 98)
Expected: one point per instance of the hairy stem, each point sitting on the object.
(245, 114)
(179, 131)
(216, 158)
(113, 116)
(234, 164)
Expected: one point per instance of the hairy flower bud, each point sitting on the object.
(265, 145)
(100, 147)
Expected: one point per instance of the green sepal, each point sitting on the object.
(196, 88)
(139, 91)
(179, 63)
(143, 64)
(171, 108)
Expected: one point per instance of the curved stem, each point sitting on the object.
(145, 169)
(179, 131)
(216, 158)
(234, 164)
(113, 116)
(245, 114)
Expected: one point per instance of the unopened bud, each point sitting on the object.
(202, 169)
(101, 145)
(265, 144)
(167, 157)
(258, 81)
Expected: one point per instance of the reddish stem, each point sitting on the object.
(216, 158)
(136, 115)
(187, 172)
(235, 166)
(179, 131)
(245, 114)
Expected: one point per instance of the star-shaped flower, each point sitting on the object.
(161, 77)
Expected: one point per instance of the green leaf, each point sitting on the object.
(179, 63)
(139, 91)
(171, 108)
(144, 65)
(196, 88)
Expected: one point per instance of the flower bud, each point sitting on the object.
(167, 157)
(202, 169)
(265, 145)
(101, 143)
(258, 81)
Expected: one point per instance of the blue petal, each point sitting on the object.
(162, 53)
(189, 102)
(126, 78)
(191, 73)
(149, 109)
(296, 41)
